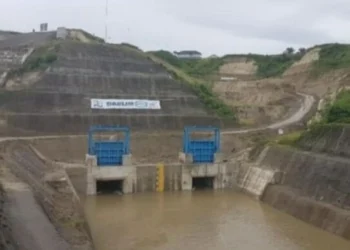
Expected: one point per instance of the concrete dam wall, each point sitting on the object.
(331, 139)
(59, 101)
(310, 186)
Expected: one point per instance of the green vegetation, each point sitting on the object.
(332, 56)
(271, 65)
(339, 111)
(275, 65)
(211, 101)
(267, 65)
(199, 68)
(40, 59)
(290, 139)
(202, 89)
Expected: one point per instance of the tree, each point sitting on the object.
(289, 51)
(302, 51)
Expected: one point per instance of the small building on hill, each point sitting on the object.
(188, 54)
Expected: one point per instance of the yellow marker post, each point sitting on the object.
(160, 177)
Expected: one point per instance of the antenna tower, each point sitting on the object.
(106, 22)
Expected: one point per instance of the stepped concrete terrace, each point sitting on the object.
(59, 101)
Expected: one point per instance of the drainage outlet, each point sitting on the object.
(109, 186)
(202, 183)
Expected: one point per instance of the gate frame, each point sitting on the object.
(190, 129)
(101, 128)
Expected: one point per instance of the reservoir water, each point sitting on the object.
(220, 220)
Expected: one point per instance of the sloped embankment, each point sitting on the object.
(6, 240)
(313, 185)
(59, 101)
(52, 191)
(314, 188)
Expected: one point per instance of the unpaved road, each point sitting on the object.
(308, 101)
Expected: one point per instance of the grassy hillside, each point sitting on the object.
(202, 89)
(200, 68)
(268, 65)
(339, 111)
(334, 117)
(332, 56)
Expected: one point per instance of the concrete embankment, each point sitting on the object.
(44, 190)
(310, 186)
(6, 238)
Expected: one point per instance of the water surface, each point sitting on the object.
(220, 220)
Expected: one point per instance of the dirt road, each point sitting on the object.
(306, 106)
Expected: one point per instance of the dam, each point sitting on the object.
(148, 178)
(146, 213)
(109, 163)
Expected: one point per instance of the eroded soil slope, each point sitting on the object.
(261, 101)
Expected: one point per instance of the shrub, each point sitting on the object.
(339, 112)
(211, 101)
(290, 139)
(194, 67)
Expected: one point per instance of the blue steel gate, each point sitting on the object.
(109, 152)
(202, 150)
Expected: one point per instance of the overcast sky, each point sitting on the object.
(210, 26)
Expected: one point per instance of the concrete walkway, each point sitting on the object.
(30, 226)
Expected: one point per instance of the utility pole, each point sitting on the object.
(106, 22)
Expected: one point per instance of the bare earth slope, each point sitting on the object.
(257, 102)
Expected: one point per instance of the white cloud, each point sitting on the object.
(221, 26)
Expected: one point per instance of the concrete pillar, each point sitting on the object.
(186, 177)
(91, 163)
(218, 157)
(126, 173)
(127, 160)
(90, 185)
(185, 158)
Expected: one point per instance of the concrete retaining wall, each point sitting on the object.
(310, 186)
(143, 178)
(317, 176)
(319, 214)
(332, 139)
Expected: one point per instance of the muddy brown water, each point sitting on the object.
(221, 220)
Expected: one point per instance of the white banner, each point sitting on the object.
(124, 104)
